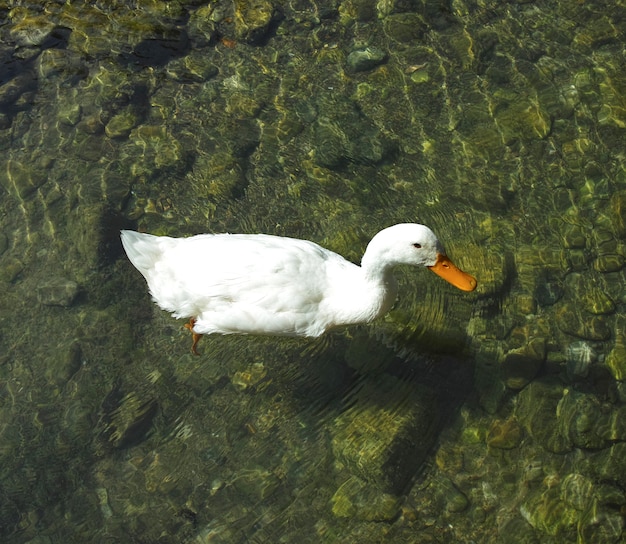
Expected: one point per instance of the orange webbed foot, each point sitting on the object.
(194, 335)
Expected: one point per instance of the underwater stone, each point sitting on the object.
(192, 68)
(366, 59)
(547, 512)
(570, 321)
(578, 357)
(616, 359)
(10, 269)
(576, 490)
(357, 499)
(60, 369)
(522, 119)
(91, 229)
(20, 179)
(405, 27)
(600, 526)
(361, 10)
(127, 420)
(610, 464)
(254, 19)
(12, 90)
(548, 291)
(579, 417)
(574, 237)
(446, 496)
(604, 238)
(348, 137)
(518, 531)
(202, 26)
(613, 426)
(256, 483)
(242, 379)
(599, 303)
(32, 31)
(69, 114)
(618, 213)
(51, 62)
(387, 432)
(536, 410)
(609, 263)
(520, 366)
(4, 243)
(120, 125)
(54, 62)
(504, 434)
(57, 292)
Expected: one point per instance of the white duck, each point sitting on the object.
(262, 284)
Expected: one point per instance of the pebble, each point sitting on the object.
(579, 356)
(366, 59)
(57, 292)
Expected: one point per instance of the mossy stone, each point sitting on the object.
(609, 263)
(366, 58)
(10, 269)
(616, 360)
(254, 19)
(520, 366)
(548, 513)
(536, 410)
(571, 321)
(256, 483)
(385, 435)
(120, 125)
(69, 114)
(574, 237)
(618, 213)
(405, 27)
(57, 292)
(359, 500)
(21, 180)
(504, 434)
(32, 31)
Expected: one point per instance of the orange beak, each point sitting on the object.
(445, 268)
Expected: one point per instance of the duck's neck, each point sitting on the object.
(380, 284)
(376, 268)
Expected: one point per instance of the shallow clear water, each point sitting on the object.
(495, 416)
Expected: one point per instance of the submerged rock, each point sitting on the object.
(578, 357)
(560, 419)
(254, 19)
(618, 213)
(32, 31)
(616, 360)
(20, 179)
(356, 499)
(57, 292)
(385, 435)
(521, 365)
(536, 411)
(366, 59)
(120, 125)
(504, 434)
(571, 321)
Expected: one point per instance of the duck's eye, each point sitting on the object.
(417, 246)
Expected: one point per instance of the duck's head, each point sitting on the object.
(417, 245)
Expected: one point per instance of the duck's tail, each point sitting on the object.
(143, 250)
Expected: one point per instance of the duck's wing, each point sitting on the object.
(244, 283)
